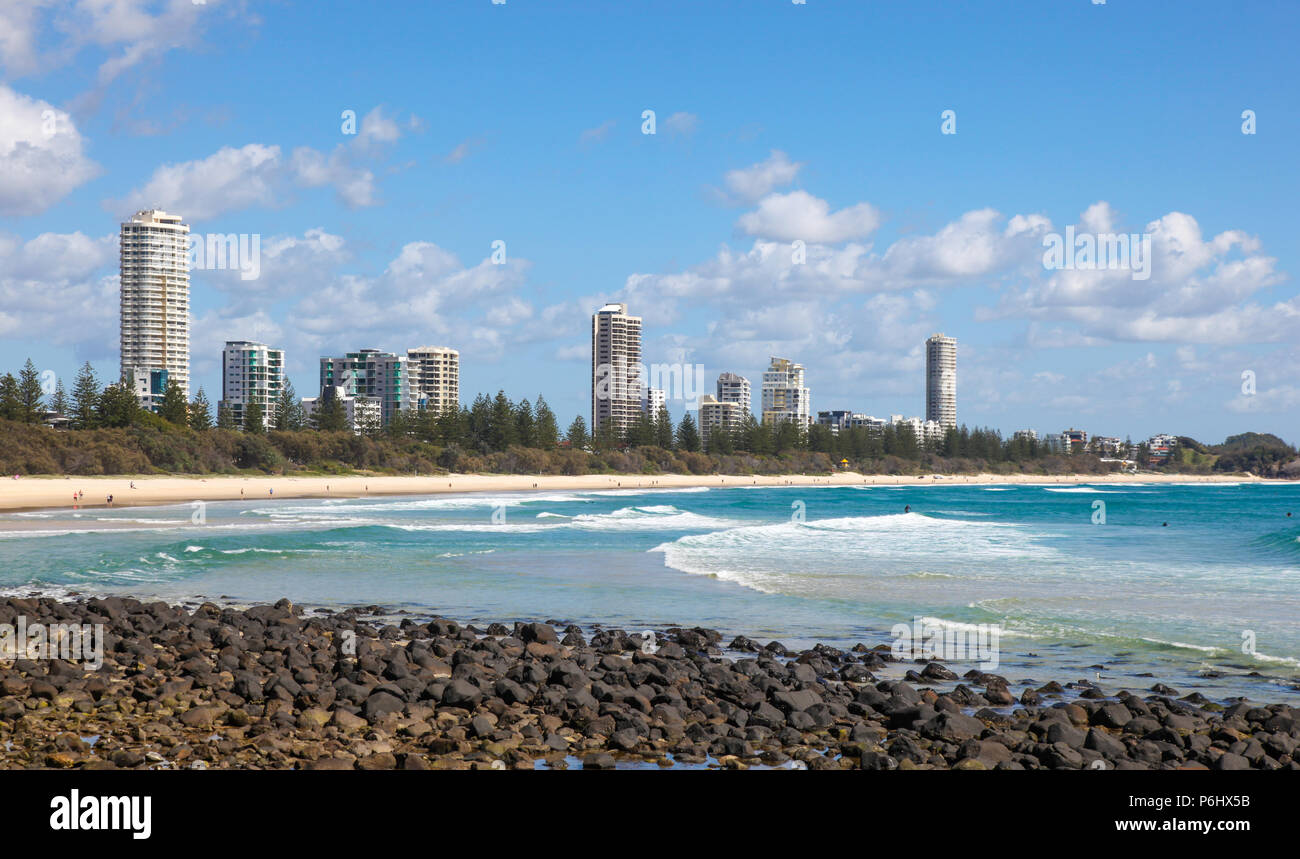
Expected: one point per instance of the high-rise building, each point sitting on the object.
(616, 382)
(155, 302)
(370, 373)
(784, 396)
(434, 381)
(941, 380)
(734, 388)
(251, 373)
(722, 416)
(653, 401)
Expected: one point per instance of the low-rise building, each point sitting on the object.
(149, 386)
(361, 414)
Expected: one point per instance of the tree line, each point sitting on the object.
(497, 425)
(493, 424)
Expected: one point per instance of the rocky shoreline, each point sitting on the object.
(274, 687)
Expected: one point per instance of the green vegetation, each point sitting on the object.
(111, 434)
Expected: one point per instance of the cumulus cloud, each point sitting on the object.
(800, 215)
(1199, 290)
(253, 175)
(57, 288)
(41, 155)
(750, 184)
(228, 180)
(38, 35)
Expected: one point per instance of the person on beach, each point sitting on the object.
(110, 501)
(271, 491)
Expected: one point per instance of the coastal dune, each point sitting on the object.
(38, 493)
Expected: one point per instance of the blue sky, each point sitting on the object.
(776, 122)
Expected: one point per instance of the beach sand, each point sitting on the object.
(39, 493)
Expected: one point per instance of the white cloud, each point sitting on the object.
(597, 134)
(54, 289)
(682, 123)
(800, 215)
(1199, 291)
(463, 150)
(228, 180)
(355, 186)
(253, 175)
(41, 157)
(750, 184)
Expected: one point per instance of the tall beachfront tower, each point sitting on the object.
(615, 369)
(155, 304)
(251, 373)
(784, 396)
(734, 388)
(434, 378)
(381, 376)
(941, 380)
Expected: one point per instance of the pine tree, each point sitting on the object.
(719, 441)
(605, 437)
(10, 400)
(118, 406)
(200, 412)
(330, 415)
(577, 434)
(288, 410)
(642, 431)
(30, 394)
(174, 408)
(254, 418)
(479, 424)
(85, 397)
(501, 427)
(60, 403)
(688, 437)
(525, 425)
(225, 418)
(547, 432)
(664, 429)
(452, 426)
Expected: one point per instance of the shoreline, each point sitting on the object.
(28, 494)
(273, 687)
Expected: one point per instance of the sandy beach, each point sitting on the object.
(40, 493)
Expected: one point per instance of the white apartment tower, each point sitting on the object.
(652, 401)
(941, 380)
(155, 302)
(734, 388)
(724, 416)
(251, 372)
(434, 378)
(616, 382)
(784, 396)
(381, 376)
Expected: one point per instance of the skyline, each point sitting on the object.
(384, 239)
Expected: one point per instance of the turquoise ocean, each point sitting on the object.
(1196, 586)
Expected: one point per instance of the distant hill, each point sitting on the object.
(1262, 454)
(1251, 440)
